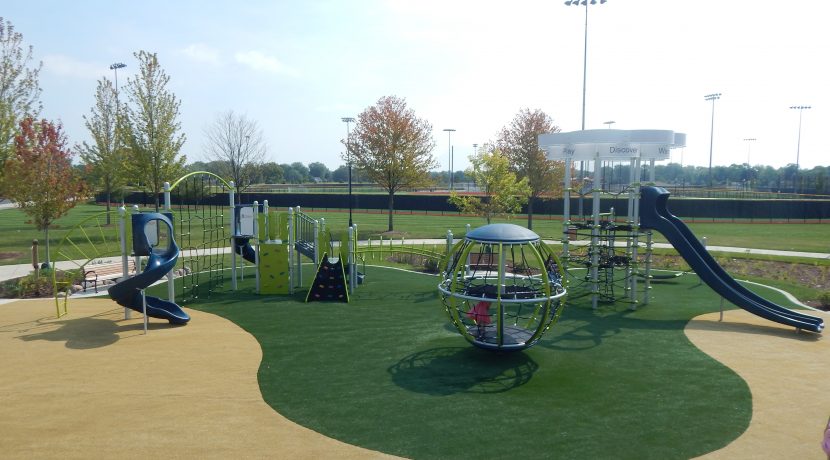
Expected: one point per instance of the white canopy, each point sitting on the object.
(611, 144)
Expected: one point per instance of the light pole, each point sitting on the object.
(584, 67)
(114, 67)
(585, 48)
(711, 97)
(800, 109)
(449, 150)
(749, 141)
(609, 123)
(348, 120)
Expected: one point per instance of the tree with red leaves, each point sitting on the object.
(41, 179)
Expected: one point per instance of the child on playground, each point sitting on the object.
(480, 313)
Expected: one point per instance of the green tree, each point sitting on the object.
(319, 170)
(393, 147)
(151, 127)
(271, 173)
(104, 158)
(19, 89)
(236, 144)
(518, 141)
(504, 193)
(46, 185)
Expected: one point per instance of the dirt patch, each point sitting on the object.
(10, 255)
(810, 275)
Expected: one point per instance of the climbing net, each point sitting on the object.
(200, 204)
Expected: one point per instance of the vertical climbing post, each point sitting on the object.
(316, 242)
(635, 230)
(595, 235)
(171, 287)
(449, 241)
(351, 260)
(566, 214)
(125, 262)
(266, 222)
(291, 240)
(649, 244)
(256, 252)
(232, 198)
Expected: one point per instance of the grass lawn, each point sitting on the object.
(16, 235)
(388, 372)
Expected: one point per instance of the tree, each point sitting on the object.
(104, 159)
(503, 193)
(271, 173)
(518, 141)
(319, 170)
(151, 128)
(19, 89)
(237, 144)
(294, 173)
(46, 186)
(393, 146)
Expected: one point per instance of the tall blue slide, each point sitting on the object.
(654, 214)
(127, 293)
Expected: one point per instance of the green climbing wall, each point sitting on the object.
(273, 268)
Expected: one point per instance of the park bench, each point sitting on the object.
(95, 273)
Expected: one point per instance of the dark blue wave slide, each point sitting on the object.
(243, 248)
(127, 293)
(654, 214)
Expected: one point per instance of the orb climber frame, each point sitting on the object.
(511, 269)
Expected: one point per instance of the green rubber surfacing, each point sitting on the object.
(388, 372)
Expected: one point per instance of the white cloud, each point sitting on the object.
(66, 66)
(262, 62)
(202, 53)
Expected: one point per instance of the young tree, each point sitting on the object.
(504, 194)
(236, 143)
(151, 127)
(393, 147)
(19, 89)
(104, 158)
(45, 184)
(518, 141)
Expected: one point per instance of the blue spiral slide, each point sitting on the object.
(160, 261)
(654, 214)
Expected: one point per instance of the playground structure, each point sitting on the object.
(607, 266)
(502, 287)
(274, 242)
(611, 260)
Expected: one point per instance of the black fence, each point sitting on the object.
(687, 208)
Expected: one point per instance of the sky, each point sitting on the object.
(297, 67)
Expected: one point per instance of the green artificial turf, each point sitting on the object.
(388, 372)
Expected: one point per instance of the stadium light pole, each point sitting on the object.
(584, 3)
(449, 150)
(711, 97)
(800, 109)
(348, 120)
(749, 141)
